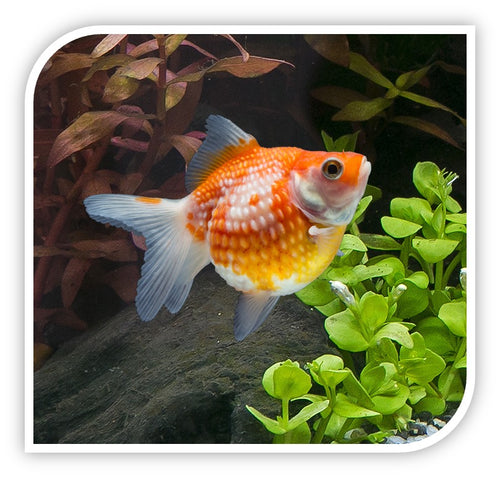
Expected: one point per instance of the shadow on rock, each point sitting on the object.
(177, 379)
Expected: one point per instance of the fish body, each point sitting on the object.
(269, 219)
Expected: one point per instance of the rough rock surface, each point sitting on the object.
(176, 379)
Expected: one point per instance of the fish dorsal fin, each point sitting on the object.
(224, 140)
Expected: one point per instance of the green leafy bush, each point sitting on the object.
(398, 310)
(378, 102)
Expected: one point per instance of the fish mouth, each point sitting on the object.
(364, 171)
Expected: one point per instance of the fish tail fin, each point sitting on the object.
(172, 258)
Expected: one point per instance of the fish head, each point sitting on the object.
(327, 186)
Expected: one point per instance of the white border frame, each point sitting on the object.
(467, 30)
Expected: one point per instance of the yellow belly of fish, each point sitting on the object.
(282, 259)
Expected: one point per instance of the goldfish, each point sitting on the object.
(270, 220)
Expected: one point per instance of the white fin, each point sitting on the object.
(253, 309)
(224, 140)
(326, 237)
(172, 258)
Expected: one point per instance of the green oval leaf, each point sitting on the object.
(453, 314)
(426, 180)
(411, 209)
(352, 243)
(306, 413)
(388, 404)
(413, 301)
(343, 329)
(434, 405)
(362, 205)
(344, 408)
(271, 425)
(394, 331)
(396, 266)
(437, 336)
(434, 250)
(290, 381)
(316, 293)
(423, 370)
(380, 242)
(399, 228)
(457, 218)
(373, 310)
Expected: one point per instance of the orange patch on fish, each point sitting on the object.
(148, 200)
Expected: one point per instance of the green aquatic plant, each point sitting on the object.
(386, 93)
(399, 323)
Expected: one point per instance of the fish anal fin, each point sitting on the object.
(251, 312)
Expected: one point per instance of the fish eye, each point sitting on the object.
(332, 168)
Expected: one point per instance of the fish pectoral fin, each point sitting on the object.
(327, 237)
(172, 258)
(252, 310)
(318, 232)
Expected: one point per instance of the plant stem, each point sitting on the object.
(405, 251)
(438, 282)
(93, 158)
(355, 229)
(284, 411)
(320, 432)
(451, 267)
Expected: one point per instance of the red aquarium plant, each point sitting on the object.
(131, 95)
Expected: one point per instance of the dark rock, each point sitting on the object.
(176, 379)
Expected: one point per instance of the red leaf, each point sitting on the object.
(64, 63)
(254, 66)
(244, 54)
(85, 131)
(333, 47)
(130, 183)
(139, 242)
(174, 187)
(106, 44)
(186, 145)
(120, 250)
(96, 185)
(123, 281)
(144, 48)
(72, 279)
(130, 144)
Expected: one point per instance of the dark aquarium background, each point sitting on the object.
(125, 113)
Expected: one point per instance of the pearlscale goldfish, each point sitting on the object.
(269, 219)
